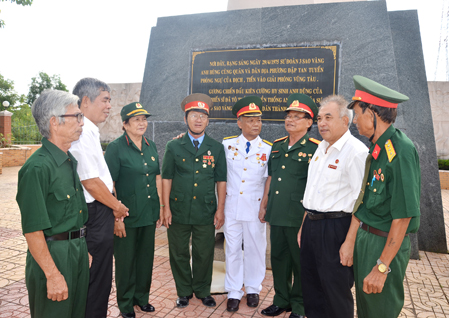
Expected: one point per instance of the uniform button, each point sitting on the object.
(148, 185)
(241, 192)
(141, 153)
(300, 201)
(147, 174)
(277, 192)
(176, 199)
(76, 189)
(197, 171)
(183, 160)
(81, 211)
(283, 167)
(244, 169)
(69, 159)
(286, 155)
(367, 183)
(149, 196)
(279, 179)
(195, 185)
(258, 199)
(196, 159)
(68, 196)
(194, 198)
(145, 163)
(246, 158)
(243, 181)
(374, 190)
(299, 159)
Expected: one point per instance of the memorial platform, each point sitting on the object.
(426, 283)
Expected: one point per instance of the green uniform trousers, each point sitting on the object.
(198, 278)
(389, 303)
(71, 259)
(134, 255)
(285, 260)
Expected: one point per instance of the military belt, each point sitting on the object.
(82, 232)
(315, 215)
(373, 230)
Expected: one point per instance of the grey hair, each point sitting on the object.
(342, 103)
(90, 87)
(51, 103)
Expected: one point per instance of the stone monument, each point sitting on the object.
(439, 98)
(384, 46)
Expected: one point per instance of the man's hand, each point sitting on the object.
(262, 213)
(219, 219)
(374, 282)
(90, 259)
(119, 229)
(347, 253)
(179, 136)
(57, 289)
(121, 212)
(167, 217)
(299, 236)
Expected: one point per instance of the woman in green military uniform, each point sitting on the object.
(134, 165)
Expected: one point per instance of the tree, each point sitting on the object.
(43, 82)
(7, 93)
(19, 2)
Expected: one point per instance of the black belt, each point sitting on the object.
(82, 232)
(315, 215)
(373, 230)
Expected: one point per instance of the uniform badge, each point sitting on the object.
(260, 144)
(208, 152)
(303, 142)
(316, 158)
(337, 161)
(391, 153)
(138, 105)
(332, 167)
(152, 158)
(376, 152)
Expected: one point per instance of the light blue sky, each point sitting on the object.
(108, 39)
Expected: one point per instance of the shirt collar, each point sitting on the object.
(383, 139)
(58, 155)
(200, 139)
(339, 143)
(90, 125)
(252, 142)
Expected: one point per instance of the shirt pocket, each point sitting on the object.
(275, 161)
(65, 201)
(210, 205)
(377, 196)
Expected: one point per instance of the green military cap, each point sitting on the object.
(248, 106)
(371, 92)
(133, 109)
(302, 103)
(198, 102)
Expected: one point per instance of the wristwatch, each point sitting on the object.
(382, 267)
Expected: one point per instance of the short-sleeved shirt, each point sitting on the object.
(91, 164)
(50, 195)
(335, 175)
(193, 175)
(393, 188)
(288, 171)
(134, 171)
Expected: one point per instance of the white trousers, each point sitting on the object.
(248, 269)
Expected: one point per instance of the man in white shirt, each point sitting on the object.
(103, 207)
(328, 232)
(246, 157)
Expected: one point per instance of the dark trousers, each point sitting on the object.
(326, 283)
(198, 278)
(134, 255)
(100, 244)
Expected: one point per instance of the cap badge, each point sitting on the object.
(252, 106)
(138, 105)
(202, 105)
(295, 104)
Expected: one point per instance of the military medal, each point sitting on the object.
(300, 154)
(264, 157)
(235, 153)
(208, 152)
(382, 178)
(152, 158)
(229, 147)
(337, 161)
(304, 155)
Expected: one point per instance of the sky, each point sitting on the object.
(108, 39)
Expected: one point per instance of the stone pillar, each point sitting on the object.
(5, 124)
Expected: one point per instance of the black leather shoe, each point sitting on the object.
(252, 300)
(274, 310)
(128, 315)
(293, 315)
(147, 308)
(183, 301)
(233, 304)
(208, 301)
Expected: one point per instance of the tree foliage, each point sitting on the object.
(7, 93)
(43, 82)
(19, 2)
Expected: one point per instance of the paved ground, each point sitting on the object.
(426, 284)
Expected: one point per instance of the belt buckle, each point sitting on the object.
(83, 231)
(361, 224)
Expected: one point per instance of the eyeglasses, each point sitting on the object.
(79, 116)
(295, 117)
(200, 116)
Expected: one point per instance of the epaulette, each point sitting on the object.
(230, 137)
(391, 153)
(280, 139)
(267, 142)
(315, 141)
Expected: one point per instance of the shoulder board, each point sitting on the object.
(230, 137)
(280, 139)
(315, 141)
(267, 142)
(391, 153)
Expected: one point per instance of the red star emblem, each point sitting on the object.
(376, 151)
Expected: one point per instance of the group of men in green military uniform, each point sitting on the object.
(195, 172)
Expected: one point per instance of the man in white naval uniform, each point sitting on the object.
(246, 158)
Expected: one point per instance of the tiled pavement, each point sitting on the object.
(426, 283)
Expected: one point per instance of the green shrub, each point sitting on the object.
(443, 164)
(104, 145)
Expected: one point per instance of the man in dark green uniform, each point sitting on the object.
(191, 167)
(388, 204)
(134, 166)
(54, 211)
(284, 190)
